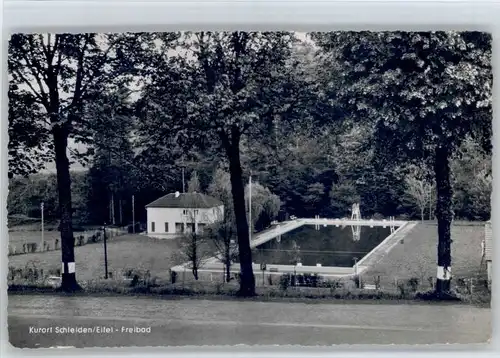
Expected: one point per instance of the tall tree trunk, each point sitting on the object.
(194, 254)
(110, 210)
(120, 208)
(247, 283)
(60, 135)
(430, 203)
(113, 216)
(444, 215)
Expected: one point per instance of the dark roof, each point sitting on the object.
(185, 200)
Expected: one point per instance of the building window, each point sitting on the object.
(184, 212)
(179, 228)
(195, 212)
(190, 228)
(153, 226)
(166, 227)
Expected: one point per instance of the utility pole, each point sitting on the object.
(133, 215)
(43, 241)
(120, 211)
(250, 207)
(105, 253)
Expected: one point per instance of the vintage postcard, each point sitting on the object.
(255, 188)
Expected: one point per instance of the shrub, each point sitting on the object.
(404, 217)
(12, 273)
(430, 279)
(270, 280)
(357, 281)
(55, 272)
(285, 281)
(173, 277)
(413, 284)
(405, 287)
(311, 279)
(135, 281)
(462, 285)
(128, 273)
(31, 247)
(332, 285)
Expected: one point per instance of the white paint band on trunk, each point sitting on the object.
(71, 267)
(443, 274)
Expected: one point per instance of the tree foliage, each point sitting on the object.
(424, 92)
(419, 189)
(226, 86)
(56, 75)
(265, 205)
(194, 183)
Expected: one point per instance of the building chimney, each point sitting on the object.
(177, 194)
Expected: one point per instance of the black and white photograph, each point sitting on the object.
(223, 188)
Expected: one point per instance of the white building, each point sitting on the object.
(179, 213)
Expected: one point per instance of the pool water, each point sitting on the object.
(328, 246)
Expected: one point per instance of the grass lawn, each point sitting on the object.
(124, 252)
(18, 238)
(414, 258)
(417, 255)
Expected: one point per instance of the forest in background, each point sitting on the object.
(317, 179)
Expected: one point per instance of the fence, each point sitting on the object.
(472, 289)
(81, 238)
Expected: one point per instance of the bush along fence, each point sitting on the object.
(138, 280)
(30, 275)
(314, 284)
(81, 238)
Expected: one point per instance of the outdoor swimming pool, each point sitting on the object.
(329, 246)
